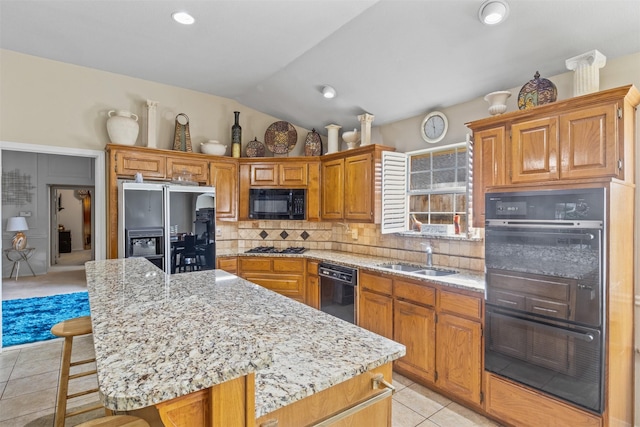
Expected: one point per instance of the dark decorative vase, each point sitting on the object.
(236, 136)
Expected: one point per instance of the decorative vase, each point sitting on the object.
(236, 136)
(332, 138)
(313, 144)
(351, 138)
(538, 91)
(497, 101)
(122, 127)
(213, 147)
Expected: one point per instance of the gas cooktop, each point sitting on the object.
(273, 250)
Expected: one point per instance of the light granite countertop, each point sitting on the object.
(158, 337)
(466, 280)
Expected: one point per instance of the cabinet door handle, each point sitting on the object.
(357, 408)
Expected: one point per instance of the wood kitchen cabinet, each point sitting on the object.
(157, 165)
(285, 173)
(351, 184)
(228, 264)
(583, 139)
(440, 327)
(272, 174)
(126, 163)
(224, 176)
(375, 304)
(313, 285)
(196, 170)
(459, 345)
(283, 275)
(414, 325)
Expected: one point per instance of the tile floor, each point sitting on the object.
(29, 381)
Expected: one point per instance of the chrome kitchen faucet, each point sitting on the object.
(429, 251)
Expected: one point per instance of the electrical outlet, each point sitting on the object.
(354, 234)
(218, 231)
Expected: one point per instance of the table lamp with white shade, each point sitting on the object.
(18, 224)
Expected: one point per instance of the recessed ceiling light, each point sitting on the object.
(493, 12)
(183, 18)
(328, 92)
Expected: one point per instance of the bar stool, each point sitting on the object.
(67, 330)
(116, 421)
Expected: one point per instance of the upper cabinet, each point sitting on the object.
(589, 137)
(351, 184)
(276, 174)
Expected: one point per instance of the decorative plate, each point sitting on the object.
(280, 137)
(255, 148)
(313, 144)
(537, 92)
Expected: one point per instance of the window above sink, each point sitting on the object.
(426, 192)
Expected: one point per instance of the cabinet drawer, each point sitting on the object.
(463, 305)
(288, 265)
(254, 264)
(229, 265)
(415, 292)
(379, 284)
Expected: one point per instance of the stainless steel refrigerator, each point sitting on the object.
(171, 225)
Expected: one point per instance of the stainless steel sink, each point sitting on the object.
(402, 267)
(434, 272)
(419, 270)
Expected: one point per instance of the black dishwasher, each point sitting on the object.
(337, 291)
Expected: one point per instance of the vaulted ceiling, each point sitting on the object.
(391, 58)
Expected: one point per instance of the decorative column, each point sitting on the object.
(365, 128)
(332, 138)
(152, 137)
(586, 78)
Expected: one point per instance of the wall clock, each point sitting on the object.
(434, 127)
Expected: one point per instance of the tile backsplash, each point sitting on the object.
(364, 239)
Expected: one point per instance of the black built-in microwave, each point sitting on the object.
(276, 203)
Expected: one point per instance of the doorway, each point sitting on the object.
(71, 230)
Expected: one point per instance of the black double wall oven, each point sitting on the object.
(545, 299)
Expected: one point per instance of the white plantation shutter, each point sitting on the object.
(394, 199)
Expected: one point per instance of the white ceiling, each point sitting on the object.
(391, 58)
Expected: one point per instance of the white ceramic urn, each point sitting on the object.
(497, 101)
(122, 127)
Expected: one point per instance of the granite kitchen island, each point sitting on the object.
(229, 351)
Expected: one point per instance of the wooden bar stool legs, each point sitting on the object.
(69, 329)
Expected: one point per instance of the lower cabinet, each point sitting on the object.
(285, 276)
(313, 285)
(228, 264)
(441, 329)
(375, 304)
(519, 406)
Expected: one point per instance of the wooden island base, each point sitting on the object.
(232, 404)
(324, 405)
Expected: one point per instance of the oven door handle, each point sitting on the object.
(586, 236)
(505, 223)
(584, 336)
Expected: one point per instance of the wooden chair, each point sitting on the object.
(69, 329)
(116, 421)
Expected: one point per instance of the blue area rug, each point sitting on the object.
(31, 319)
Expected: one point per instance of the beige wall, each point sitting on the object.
(52, 103)
(405, 134)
